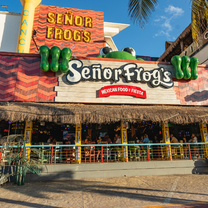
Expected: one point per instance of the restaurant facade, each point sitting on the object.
(66, 80)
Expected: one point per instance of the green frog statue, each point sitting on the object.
(126, 53)
(180, 64)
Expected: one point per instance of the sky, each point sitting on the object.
(166, 23)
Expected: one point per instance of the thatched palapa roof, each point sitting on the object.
(75, 113)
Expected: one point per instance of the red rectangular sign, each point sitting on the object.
(122, 90)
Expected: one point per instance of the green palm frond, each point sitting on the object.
(140, 10)
(199, 17)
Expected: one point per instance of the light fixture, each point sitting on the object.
(34, 32)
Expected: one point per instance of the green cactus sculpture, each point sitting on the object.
(185, 62)
(55, 53)
(185, 66)
(176, 61)
(44, 53)
(66, 55)
(194, 63)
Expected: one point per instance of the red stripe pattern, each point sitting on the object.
(22, 80)
(78, 48)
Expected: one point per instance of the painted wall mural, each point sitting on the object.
(21, 79)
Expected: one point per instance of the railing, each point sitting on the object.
(71, 154)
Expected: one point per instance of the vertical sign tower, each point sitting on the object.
(26, 25)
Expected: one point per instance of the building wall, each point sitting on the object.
(22, 80)
(202, 55)
(106, 170)
(9, 31)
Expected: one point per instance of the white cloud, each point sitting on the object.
(165, 21)
(157, 20)
(176, 11)
(167, 25)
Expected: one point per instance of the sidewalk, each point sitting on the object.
(142, 191)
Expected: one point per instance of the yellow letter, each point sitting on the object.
(87, 36)
(51, 17)
(50, 32)
(69, 19)
(88, 22)
(78, 21)
(58, 34)
(77, 35)
(60, 19)
(67, 34)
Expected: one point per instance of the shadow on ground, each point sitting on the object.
(200, 167)
(70, 187)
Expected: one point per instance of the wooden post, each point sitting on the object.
(51, 155)
(78, 140)
(181, 44)
(166, 139)
(170, 158)
(189, 152)
(28, 136)
(148, 158)
(204, 138)
(124, 140)
(78, 155)
(0, 155)
(132, 130)
(102, 154)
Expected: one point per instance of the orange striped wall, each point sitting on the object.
(78, 48)
(22, 80)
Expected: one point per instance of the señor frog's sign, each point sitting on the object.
(77, 71)
(131, 72)
(95, 80)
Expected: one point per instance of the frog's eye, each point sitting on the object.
(105, 50)
(129, 50)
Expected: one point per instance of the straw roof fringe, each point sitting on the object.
(76, 113)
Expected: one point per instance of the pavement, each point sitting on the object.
(178, 191)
